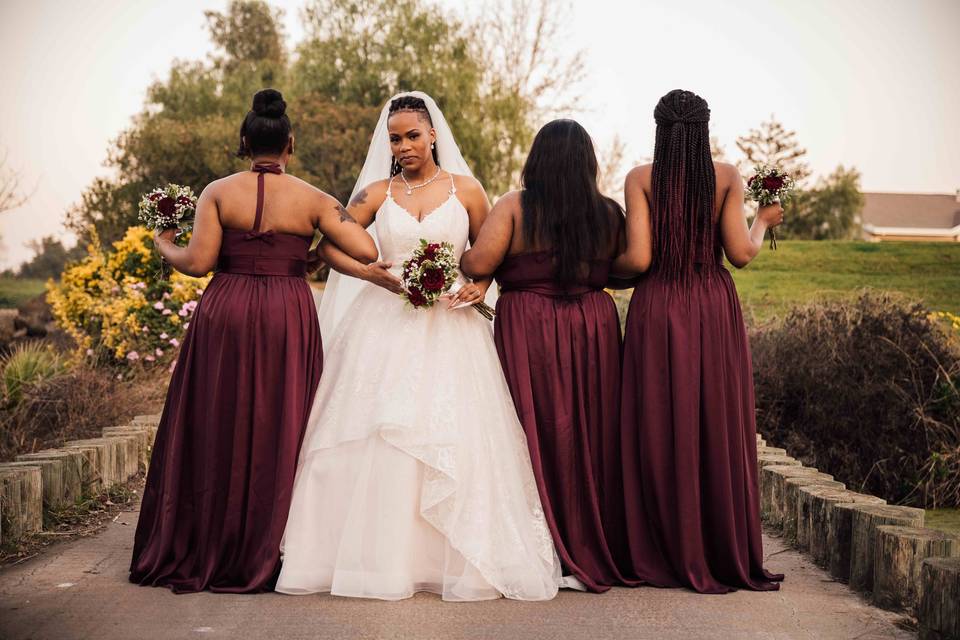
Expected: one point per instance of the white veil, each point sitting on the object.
(342, 290)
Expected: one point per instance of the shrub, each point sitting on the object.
(119, 305)
(27, 364)
(866, 390)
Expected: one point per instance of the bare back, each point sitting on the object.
(290, 205)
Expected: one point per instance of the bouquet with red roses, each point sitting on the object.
(170, 207)
(430, 273)
(768, 185)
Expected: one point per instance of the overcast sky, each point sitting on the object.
(868, 83)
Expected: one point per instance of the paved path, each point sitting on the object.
(79, 590)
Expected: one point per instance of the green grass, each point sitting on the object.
(943, 520)
(800, 271)
(16, 291)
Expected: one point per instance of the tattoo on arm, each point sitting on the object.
(345, 215)
(360, 198)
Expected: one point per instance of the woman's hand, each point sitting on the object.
(378, 273)
(164, 234)
(771, 215)
(469, 293)
(314, 260)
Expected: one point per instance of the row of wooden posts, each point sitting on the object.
(880, 550)
(57, 479)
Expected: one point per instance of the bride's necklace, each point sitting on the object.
(411, 187)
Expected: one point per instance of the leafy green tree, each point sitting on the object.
(831, 210)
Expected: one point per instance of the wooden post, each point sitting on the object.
(806, 504)
(939, 610)
(52, 484)
(897, 561)
(143, 435)
(21, 493)
(840, 532)
(817, 520)
(74, 470)
(863, 538)
(772, 478)
(767, 459)
(791, 498)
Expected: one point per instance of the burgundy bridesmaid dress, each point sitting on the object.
(689, 444)
(560, 351)
(225, 455)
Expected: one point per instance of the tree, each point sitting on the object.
(717, 151)
(773, 144)
(11, 192)
(831, 210)
(49, 258)
(612, 174)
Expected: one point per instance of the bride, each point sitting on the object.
(414, 474)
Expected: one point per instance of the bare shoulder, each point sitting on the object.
(468, 185)
(726, 173)
(372, 194)
(509, 204)
(641, 175)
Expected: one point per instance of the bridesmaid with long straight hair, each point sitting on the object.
(225, 455)
(689, 445)
(550, 247)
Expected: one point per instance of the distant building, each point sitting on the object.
(911, 216)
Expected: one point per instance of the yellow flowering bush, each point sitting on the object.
(116, 302)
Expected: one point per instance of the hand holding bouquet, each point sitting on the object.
(430, 273)
(170, 207)
(767, 186)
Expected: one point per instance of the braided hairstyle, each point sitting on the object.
(563, 209)
(266, 126)
(684, 186)
(411, 104)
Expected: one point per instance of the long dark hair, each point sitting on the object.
(266, 126)
(684, 185)
(418, 106)
(563, 209)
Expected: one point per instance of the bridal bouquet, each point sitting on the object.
(768, 185)
(170, 207)
(432, 272)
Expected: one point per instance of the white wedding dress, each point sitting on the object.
(414, 473)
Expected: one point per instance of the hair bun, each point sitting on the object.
(269, 104)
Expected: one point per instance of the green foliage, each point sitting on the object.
(14, 291)
(28, 364)
(356, 54)
(829, 211)
(866, 390)
(49, 259)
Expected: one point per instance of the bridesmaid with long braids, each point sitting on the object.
(550, 247)
(687, 417)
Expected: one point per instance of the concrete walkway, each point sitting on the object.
(79, 590)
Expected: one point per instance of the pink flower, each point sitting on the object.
(89, 352)
(133, 355)
(166, 312)
(186, 325)
(159, 352)
(149, 358)
(146, 329)
(164, 336)
(182, 313)
(173, 365)
(174, 342)
(166, 296)
(158, 306)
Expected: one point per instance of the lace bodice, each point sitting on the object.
(399, 232)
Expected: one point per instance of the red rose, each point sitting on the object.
(751, 181)
(433, 280)
(184, 200)
(772, 183)
(167, 206)
(155, 196)
(416, 298)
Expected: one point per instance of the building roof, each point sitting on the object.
(912, 210)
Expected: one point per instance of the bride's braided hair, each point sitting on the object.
(416, 105)
(684, 186)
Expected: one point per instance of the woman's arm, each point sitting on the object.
(199, 257)
(638, 253)
(376, 273)
(740, 244)
(493, 241)
(346, 227)
(478, 206)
